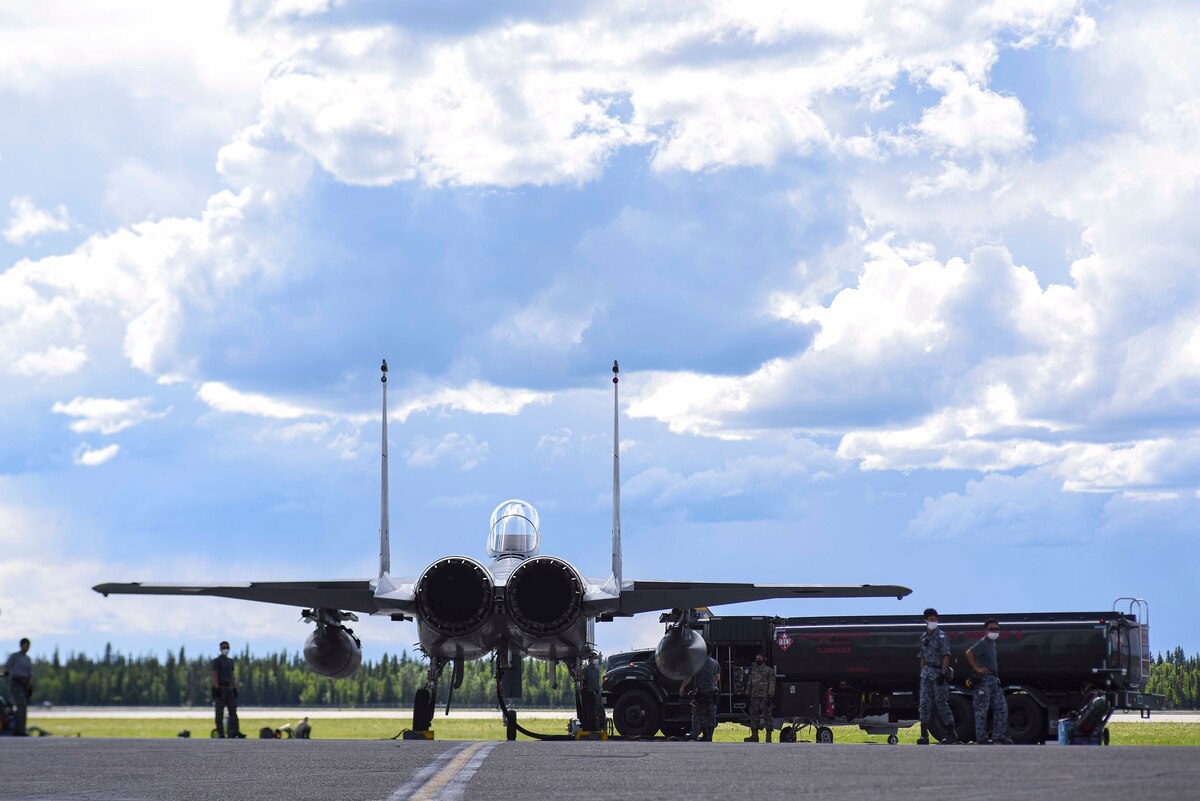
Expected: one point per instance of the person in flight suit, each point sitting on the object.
(225, 692)
(762, 693)
(19, 668)
(934, 654)
(704, 709)
(988, 692)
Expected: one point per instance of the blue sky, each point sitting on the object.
(902, 293)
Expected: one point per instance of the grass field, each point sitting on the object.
(460, 729)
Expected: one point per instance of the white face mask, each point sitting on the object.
(224, 652)
(993, 635)
(932, 624)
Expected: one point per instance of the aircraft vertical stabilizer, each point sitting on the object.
(616, 529)
(385, 544)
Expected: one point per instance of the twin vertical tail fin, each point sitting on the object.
(616, 524)
(385, 543)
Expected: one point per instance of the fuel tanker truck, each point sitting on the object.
(863, 671)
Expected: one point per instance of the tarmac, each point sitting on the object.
(295, 713)
(355, 770)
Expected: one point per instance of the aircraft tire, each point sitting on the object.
(423, 710)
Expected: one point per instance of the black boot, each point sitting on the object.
(753, 738)
(769, 732)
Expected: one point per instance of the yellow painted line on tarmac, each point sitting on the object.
(429, 790)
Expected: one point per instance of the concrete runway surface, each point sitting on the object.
(201, 770)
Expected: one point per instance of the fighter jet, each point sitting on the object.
(517, 603)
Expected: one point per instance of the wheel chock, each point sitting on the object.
(426, 734)
(591, 735)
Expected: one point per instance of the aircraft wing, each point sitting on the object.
(648, 596)
(355, 596)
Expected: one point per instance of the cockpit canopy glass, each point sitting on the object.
(514, 530)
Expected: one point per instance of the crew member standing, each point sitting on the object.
(704, 707)
(19, 668)
(593, 706)
(934, 655)
(988, 693)
(762, 693)
(225, 692)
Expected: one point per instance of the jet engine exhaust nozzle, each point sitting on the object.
(331, 650)
(680, 653)
(454, 596)
(545, 596)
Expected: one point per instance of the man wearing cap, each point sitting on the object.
(934, 656)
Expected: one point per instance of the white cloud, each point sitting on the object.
(800, 460)
(528, 102)
(224, 398)
(51, 362)
(107, 415)
(135, 286)
(476, 397)
(28, 222)
(87, 456)
(972, 119)
(1082, 33)
(555, 443)
(1029, 509)
(460, 450)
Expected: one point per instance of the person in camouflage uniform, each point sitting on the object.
(934, 654)
(989, 695)
(762, 693)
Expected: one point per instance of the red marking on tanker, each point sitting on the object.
(845, 650)
(783, 641)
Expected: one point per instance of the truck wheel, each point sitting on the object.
(1025, 719)
(636, 714)
(1104, 736)
(964, 717)
(824, 735)
(893, 739)
(787, 735)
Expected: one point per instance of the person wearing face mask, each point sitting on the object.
(225, 693)
(934, 655)
(591, 684)
(762, 692)
(988, 692)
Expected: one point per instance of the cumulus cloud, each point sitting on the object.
(28, 222)
(107, 415)
(972, 119)
(135, 285)
(87, 456)
(459, 450)
(533, 102)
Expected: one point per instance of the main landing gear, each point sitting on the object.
(425, 700)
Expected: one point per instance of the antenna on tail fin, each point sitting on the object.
(616, 529)
(385, 545)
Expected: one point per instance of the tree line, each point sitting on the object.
(283, 680)
(280, 679)
(1178, 678)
